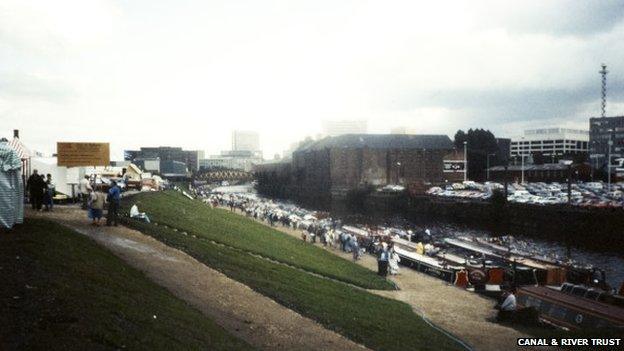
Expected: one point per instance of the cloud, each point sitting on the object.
(149, 73)
(553, 17)
(31, 87)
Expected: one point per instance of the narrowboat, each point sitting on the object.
(544, 273)
(569, 311)
(423, 263)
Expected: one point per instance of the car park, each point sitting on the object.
(587, 195)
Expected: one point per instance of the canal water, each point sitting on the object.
(612, 264)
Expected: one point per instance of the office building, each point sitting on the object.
(148, 164)
(166, 153)
(601, 130)
(551, 143)
(231, 160)
(171, 168)
(245, 141)
(337, 128)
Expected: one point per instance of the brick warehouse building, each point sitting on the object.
(338, 164)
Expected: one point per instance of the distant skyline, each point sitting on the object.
(187, 73)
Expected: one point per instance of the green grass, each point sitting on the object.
(375, 321)
(61, 291)
(177, 211)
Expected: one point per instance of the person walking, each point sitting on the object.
(114, 199)
(96, 206)
(35, 186)
(393, 262)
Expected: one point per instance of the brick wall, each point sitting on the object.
(353, 168)
(318, 173)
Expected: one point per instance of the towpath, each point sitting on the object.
(466, 315)
(245, 313)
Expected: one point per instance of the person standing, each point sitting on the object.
(85, 190)
(355, 247)
(96, 206)
(343, 241)
(382, 261)
(114, 199)
(50, 191)
(35, 186)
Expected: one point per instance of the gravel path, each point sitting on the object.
(466, 315)
(245, 313)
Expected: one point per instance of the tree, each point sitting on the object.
(538, 158)
(481, 143)
(460, 137)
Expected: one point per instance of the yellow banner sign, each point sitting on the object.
(83, 154)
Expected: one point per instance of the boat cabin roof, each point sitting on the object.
(613, 313)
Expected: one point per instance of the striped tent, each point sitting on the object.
(11, 187)
(22, 151)
(24, 154)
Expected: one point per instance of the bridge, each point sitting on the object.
(221, 175)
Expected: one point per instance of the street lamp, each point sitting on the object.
(487, 177)
(522, 167)
(465, 161)
(592, 157)
(522, 156)
(609, 165)
(569, 164)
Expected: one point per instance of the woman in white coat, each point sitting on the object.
(393, 262)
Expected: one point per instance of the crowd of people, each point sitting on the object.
(41, 191)
(315, 227)
(318, 227)
(95, 199)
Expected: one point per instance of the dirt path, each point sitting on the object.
(466, 315)
(245, 313)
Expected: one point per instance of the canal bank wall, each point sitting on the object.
(595, 229)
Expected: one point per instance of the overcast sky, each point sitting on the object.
(185, 73)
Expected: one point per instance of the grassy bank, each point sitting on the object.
(61, 291)
(377, 322)
(175, 210)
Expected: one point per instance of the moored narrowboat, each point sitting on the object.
(569, 311)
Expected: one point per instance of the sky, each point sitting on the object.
(186, 73)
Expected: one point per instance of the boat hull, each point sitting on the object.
(448, 275)
(569, 311)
